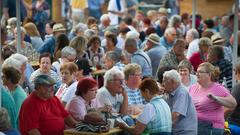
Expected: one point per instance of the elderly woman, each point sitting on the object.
(201, 56)
(11, 77)
(185, 69)
(156, 115)
(133, 77)
(234, 117)
(5, 125)
(84, 100)
(210, 98)
(69, 83)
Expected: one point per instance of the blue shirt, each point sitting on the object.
(155, 54)
(181, 102)
(142, 59)
(95, 4)
(163, 41)
(134, 96)
(48, 46)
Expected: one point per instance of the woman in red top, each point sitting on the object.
(201, 56)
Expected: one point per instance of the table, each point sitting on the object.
(75, 132)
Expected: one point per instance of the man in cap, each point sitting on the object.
(155, 51)
(42, 112)
(49, 43)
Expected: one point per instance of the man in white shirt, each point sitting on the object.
(112, 93)
(192, 39)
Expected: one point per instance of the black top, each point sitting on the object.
(234, 117)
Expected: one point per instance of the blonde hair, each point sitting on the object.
(212, 70)
(31, 29)
(70, 66)
(79, 43)
(130, 69)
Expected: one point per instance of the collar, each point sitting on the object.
(175, 91)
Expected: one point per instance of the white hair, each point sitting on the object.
(23, 59)
(111, 74)
(175, 19)
(132, 34)
(80, 27)
(169, 30)
(173, 74)
(68, 51)
(11, 62)
(194, 33)
(89, 33)
(104, 17)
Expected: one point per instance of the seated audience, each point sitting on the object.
(69, 82)
(42, 112)
(156, 116)
(112, 93)
(184, 116)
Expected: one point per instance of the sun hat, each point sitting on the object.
(58, 27)
(154, 38)
(217, 39)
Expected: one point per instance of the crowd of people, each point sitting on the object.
(175, 78)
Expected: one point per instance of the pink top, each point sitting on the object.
(78, 107)
(207, 109)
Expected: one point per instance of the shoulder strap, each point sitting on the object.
(143, 57)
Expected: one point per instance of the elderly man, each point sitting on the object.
(42, 112)
(184, 116)
(155, 51)
(139, 57)
(105, 22)
(192, 39)
(68, 54)
(111, 59)
(112, 93)
(168, 38)
(173, 57)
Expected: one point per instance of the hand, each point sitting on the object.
(211, 96)
(106, 108)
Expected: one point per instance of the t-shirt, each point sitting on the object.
(45, 115)
(68, 92)
(78, 107)
(105, 98)
(207, 109)
(147, 115)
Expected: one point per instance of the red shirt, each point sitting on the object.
(196, 60)
(45, 115)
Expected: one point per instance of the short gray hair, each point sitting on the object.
(23, 59)
(204, 41)
(89, 33)
(80, 27)
(194, 33)
(131, 42)
(112, 55)
(174, 20)
(4, 120)
(11, 62)
(111, 74)
(68, 51)
(173, 74)
(104, 17)
(169, 30)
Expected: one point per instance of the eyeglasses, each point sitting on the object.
(201, 72)
(121, 81)
(136, 75)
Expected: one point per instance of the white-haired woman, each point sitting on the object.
(112, 93)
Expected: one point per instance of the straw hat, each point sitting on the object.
(58, 27)
(162, 10)
(217, 39)
(154, 38)
(132, 34)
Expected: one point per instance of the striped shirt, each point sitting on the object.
(134, 96)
